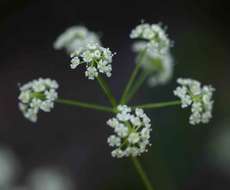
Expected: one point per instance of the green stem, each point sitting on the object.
(142, 173)
(85, 105)
(132, 78)
(158, 105)
(106, 90)
(137, 85)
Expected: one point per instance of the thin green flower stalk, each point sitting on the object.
(136, 86)
(158, 105)
(142, 173)
(106, 89)
(132, 77)
(85, 105)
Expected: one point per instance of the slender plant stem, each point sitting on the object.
(142, 173)
(85, 105)
(132, 77)
(144, 74)
(106, 90)
(158, 105)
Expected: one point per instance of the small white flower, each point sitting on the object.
(181, 92)
(74, 38)
(25, 96)
(139, 112)
(96, 58)
(123, 116)
(91, 73)
(135, 121)
(39, 85)
(35, 103)
(37, 95)
(145, 133)
(117, 153)
(199, 98)
(47, 105)
(114, 141)
(132, 132)
(123, 109)
(51, 94)
(97, 54)
(113, 122)
(133, 138)
(104, 67)
(31, 114)
(87, 56)
(75, 62)
(121, 130)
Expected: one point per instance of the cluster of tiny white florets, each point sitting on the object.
(154, 38)
(37, 95)
(96, 58)
(155, 46)
(200, 98)
(75, 37)
(132, 132)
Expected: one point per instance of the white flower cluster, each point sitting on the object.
(37, 95)
(156, 39)
(157, 59)
(96, 58)
(74, 38)
(132, 132)
(200, 98)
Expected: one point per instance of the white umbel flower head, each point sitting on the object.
(74, 38)
(132, 132)
(153, 38)
(199, 98)
(37, 95)
(96, 58)
(154, 45)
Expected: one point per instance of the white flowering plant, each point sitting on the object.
(131, 126)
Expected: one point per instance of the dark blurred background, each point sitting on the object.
(182, 157)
